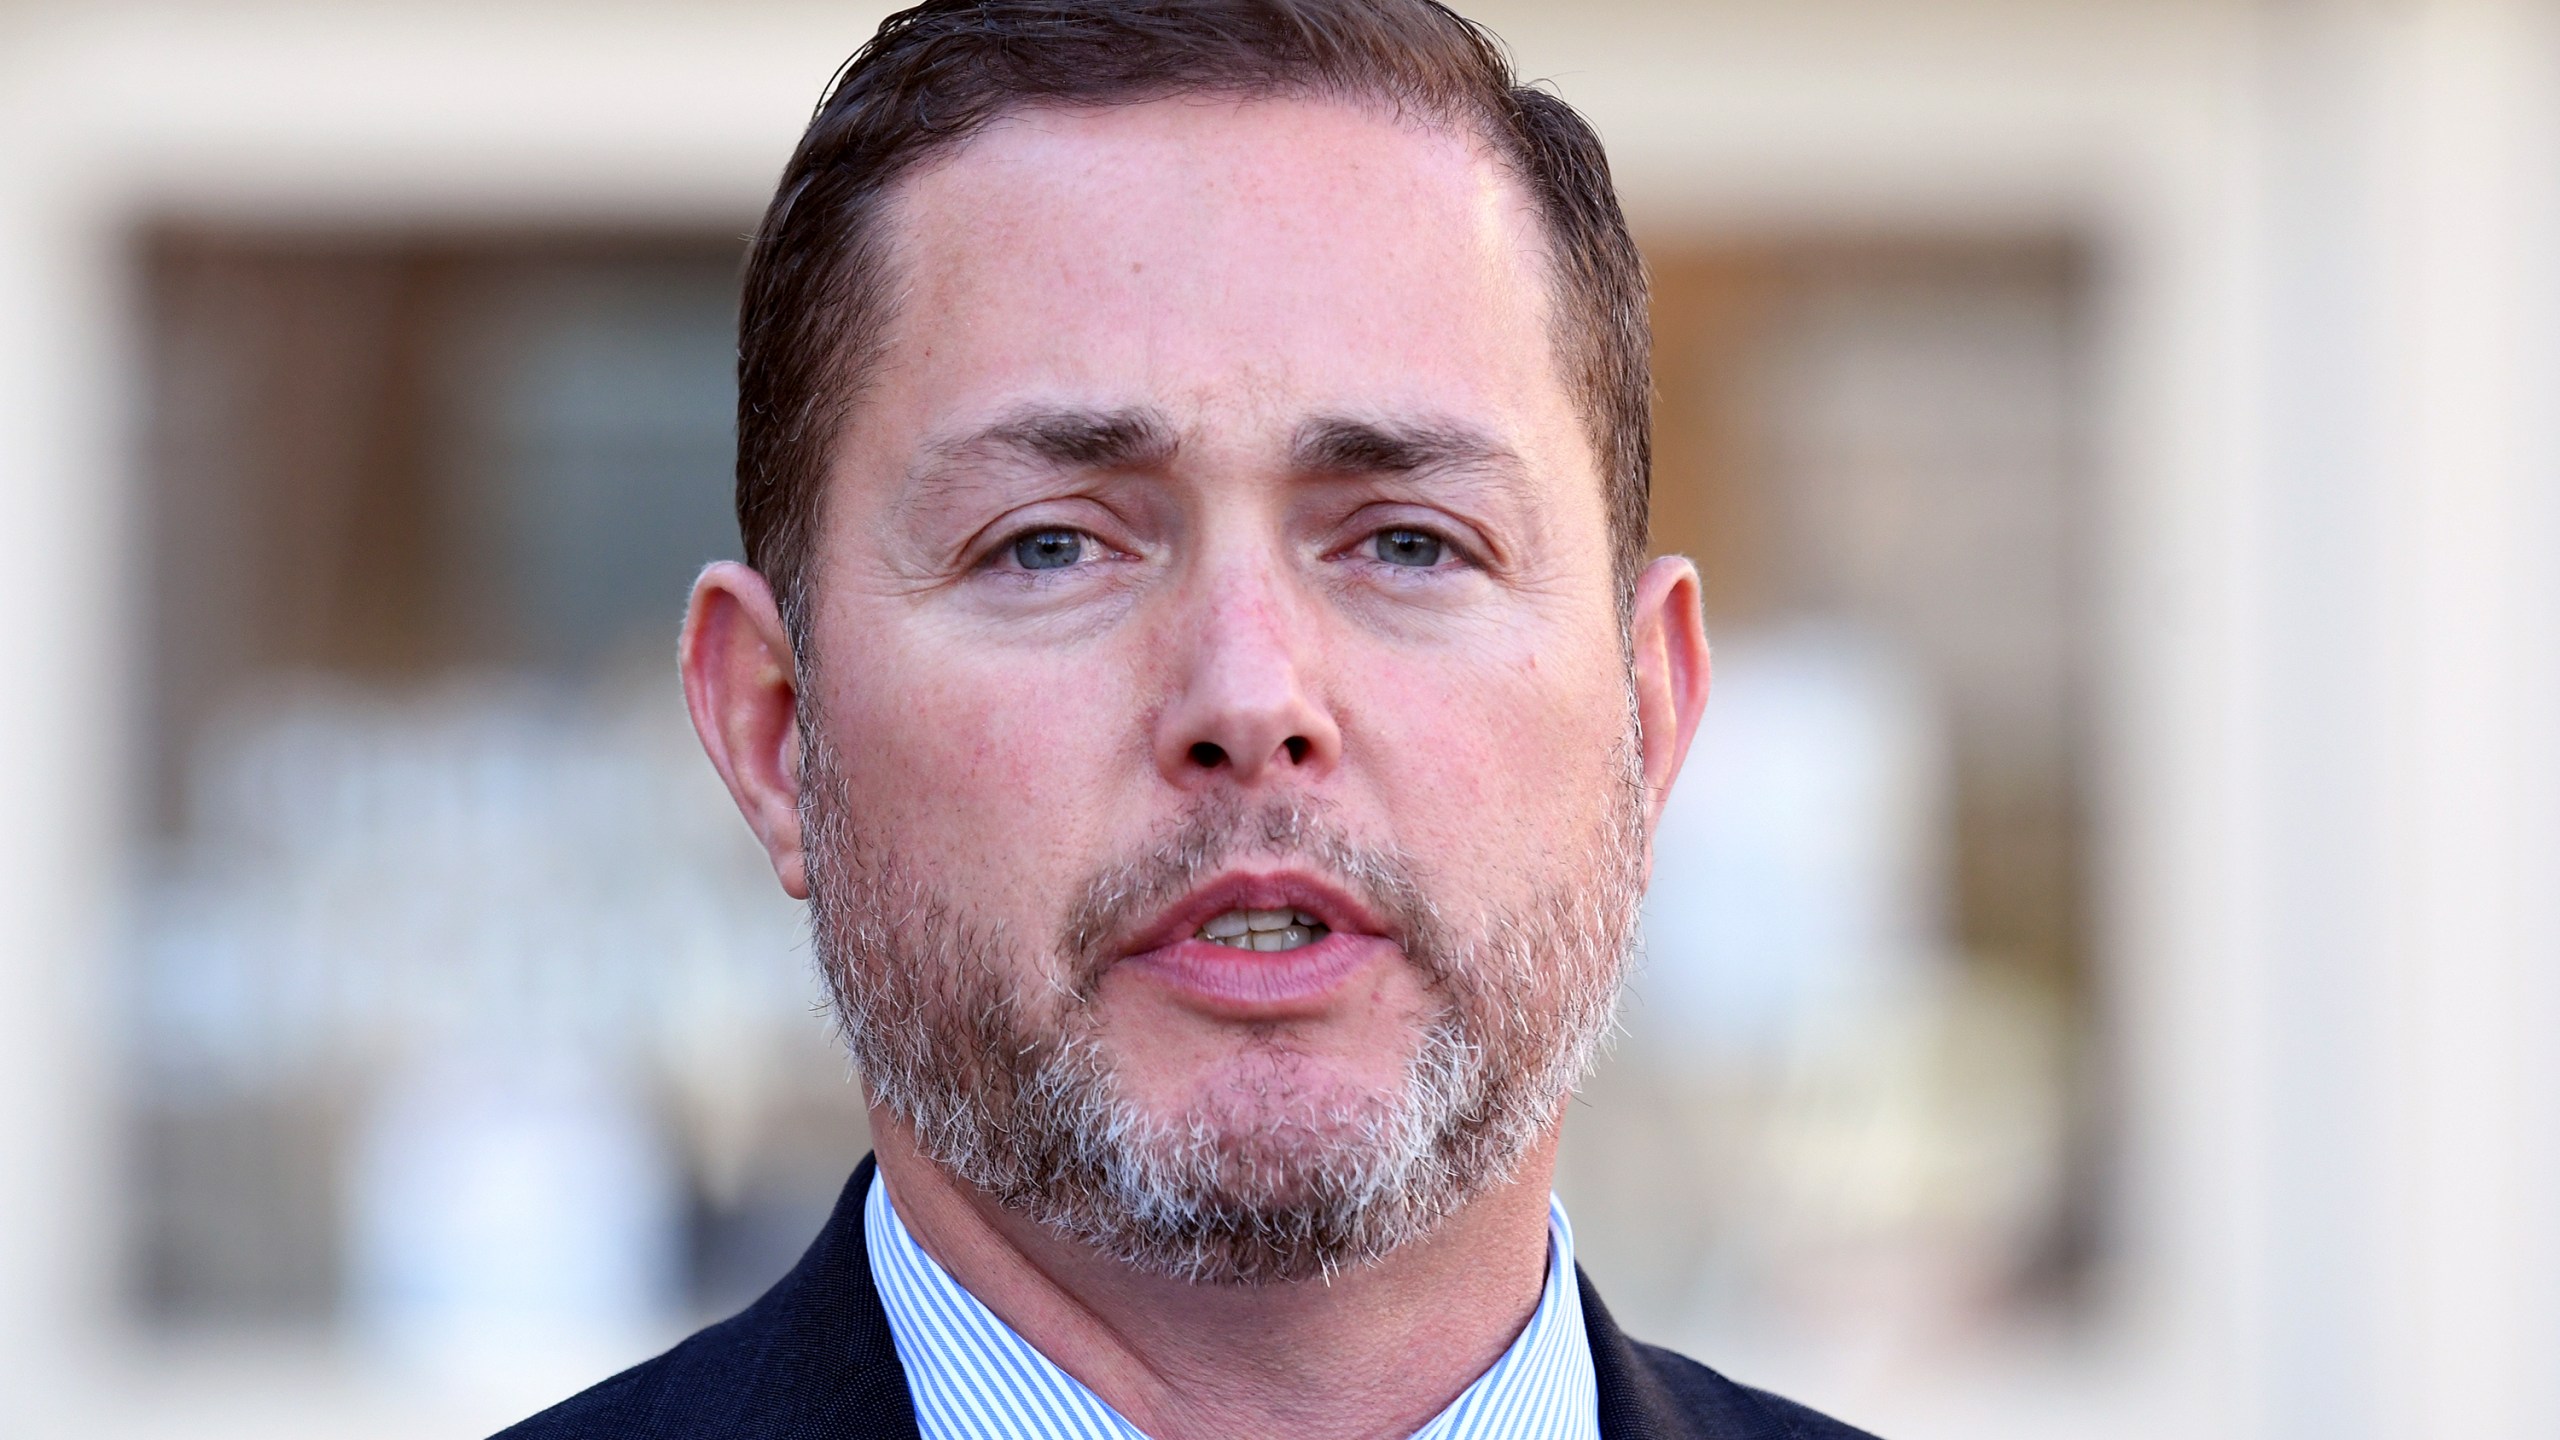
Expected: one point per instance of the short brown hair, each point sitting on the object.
(816, 299)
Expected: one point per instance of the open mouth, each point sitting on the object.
(1262, 930)
(1252, 947)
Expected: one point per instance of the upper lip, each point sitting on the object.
(1335, 907)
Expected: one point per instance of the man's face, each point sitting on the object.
(1215, 548)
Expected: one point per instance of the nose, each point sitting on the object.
(1243, 710)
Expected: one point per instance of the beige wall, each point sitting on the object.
(2332, 548)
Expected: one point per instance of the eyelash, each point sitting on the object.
(1444, 551)
(1455, 554)
(1012, 547)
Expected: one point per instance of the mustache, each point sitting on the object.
(1207, 840)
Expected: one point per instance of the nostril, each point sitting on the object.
(1297, 747)
(1207, 756)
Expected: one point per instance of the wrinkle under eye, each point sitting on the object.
(1417, 549)
(1049, 550)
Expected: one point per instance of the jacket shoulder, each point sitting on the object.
(811, 1360)
(1649, 1393)
(1747, 1412)
(676, 1396)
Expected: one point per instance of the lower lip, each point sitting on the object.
(1227, 977)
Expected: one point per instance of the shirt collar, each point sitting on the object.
(973, 1378)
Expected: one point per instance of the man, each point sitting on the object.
(1200, 665)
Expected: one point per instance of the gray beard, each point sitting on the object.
(993, 1062)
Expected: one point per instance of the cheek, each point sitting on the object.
(1498, 769)
(985, 775)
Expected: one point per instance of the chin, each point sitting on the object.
(1276, 1108)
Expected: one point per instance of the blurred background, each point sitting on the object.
(2096, 955)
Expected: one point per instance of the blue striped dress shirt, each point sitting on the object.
(973, 1378)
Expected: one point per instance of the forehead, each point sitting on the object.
(1268, 257)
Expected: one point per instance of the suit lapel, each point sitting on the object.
(1648, 1393)
(824, 1327)
(1634, 1404)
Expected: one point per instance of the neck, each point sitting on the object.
(1374, 1352)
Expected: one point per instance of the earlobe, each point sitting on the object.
(742, 691)
(1672, 671)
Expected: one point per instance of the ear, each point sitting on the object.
(1671, 672)
(740, 687)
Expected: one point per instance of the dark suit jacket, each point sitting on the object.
(812, 1360)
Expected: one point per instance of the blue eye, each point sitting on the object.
(1419, 549)
(1048, 549)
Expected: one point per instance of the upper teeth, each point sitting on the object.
(1264, 929)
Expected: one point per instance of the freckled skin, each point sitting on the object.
(1237, 269)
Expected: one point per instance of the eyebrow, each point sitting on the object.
(1068, 438)
(1140, 438)
(1351, 445)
